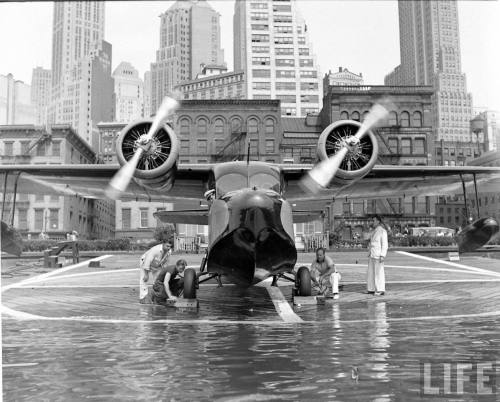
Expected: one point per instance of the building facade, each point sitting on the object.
(272, 48)
(41, 80)
(342, 77)
(15, 101)
(430, 55)
(147, 94)
(53, 215)
(215, 86)
(128, 93)
(405, 138)
(189, 37)
(80, 57)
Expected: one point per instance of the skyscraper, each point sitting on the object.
(129, 93)
(82, 86)
(15, 101)
(189, 37)
(40, 93)
(147, 94)
(430, 55)
(271, 46)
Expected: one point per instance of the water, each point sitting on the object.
(240, 362)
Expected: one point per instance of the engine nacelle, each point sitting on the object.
(157, 167)
(361, 155)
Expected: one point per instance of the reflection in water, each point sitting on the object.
(378, 337)
(76, 361)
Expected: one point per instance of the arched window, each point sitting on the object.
(219, 127)
(344, 115)
(355, 116)
(236, 125)
(252, 126)
(417, 119)
(202, 126)
(184, 126)
(393, 119)
(269, 126)
(405, 119)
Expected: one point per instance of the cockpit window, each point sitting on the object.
(230, 182)
(264, 181)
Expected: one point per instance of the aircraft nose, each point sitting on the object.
(257, 211)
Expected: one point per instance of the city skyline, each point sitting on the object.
(352, 25)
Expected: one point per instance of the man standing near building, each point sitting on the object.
(151, 261)
(375, 277)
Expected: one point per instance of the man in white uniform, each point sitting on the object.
(152, 261)
(375, 277)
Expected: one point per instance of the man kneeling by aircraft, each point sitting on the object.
(324, 274)
(169, 282)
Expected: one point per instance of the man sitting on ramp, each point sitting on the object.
(169, 282)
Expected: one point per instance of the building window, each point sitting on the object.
(254, 147)
(219, 145)
(126, 218)
(261, 61)
(393, 119)
(184, 127)
(269, 146)
(56, 148)
(261, 73)
(355, 116)
(286, 98)
(312, 99)
(393, 145)
(405, 119)
(285, 62)
(256, 38)
(219, 127)
(9, 148)
(41, 149)
(419, 146)
(252, 126)
(236, 125)
(269, 126)
(406, 146)
(184, 147)
(344, 115)
(285, 86)
(285, 74)
(22, 219)
(202, 127)
(39, 219)
(201, 147)
(54, 219)
(144, 217)
(261, 85)
(417, 119)
(24, 147)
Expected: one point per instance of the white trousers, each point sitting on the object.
(375, 277)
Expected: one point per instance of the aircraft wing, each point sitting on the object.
(188, 216)
(90, 181)
(387, 181)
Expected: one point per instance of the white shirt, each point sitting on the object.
(148, 257)
(378, 242)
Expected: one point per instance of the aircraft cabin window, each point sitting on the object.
(230, 182)
(264, 181)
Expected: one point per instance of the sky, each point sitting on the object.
(362, 36)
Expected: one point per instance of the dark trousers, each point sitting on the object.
(159, 293)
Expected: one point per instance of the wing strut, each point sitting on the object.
(6, 176)
(13, 210)
(465, 199)
(475, 190)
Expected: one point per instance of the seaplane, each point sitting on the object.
(251, 205)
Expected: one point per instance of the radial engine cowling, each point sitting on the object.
(158, 164)
(361, 155)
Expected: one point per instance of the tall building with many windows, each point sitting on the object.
(189, 37)
(271, 46)
(41, 79)
(82, 87)
(129, 93)
(430, 55)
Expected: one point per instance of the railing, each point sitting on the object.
(188, 244)
(312, 242)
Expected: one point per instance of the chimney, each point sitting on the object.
(340, 69)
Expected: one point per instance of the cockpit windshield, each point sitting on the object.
(236, 181)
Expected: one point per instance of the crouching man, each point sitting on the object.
(151, 262)
(324, 274)
(169, 282)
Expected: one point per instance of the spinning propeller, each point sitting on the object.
(122, 178)
(320, 175)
